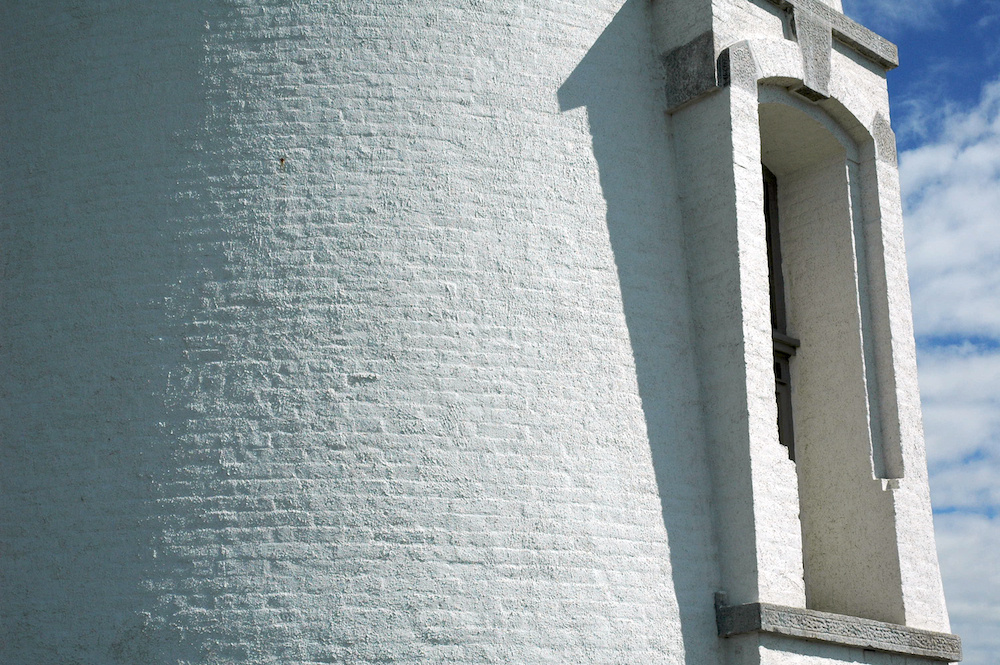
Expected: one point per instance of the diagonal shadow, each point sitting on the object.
(618, 81)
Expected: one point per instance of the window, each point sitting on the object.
(784, 346)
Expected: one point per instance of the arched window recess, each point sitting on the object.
(820, 277)
(829, 402)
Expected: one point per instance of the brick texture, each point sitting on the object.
(344, 332)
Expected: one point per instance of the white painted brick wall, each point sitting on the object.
(351, 332)
(361, 332)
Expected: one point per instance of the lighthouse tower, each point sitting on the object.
(522, 331)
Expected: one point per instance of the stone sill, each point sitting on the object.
(835, 629)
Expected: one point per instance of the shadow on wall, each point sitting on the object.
(619, 83)
(96, 104)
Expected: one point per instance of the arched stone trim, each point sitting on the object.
(778, 63)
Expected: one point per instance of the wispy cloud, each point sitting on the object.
(889, 15)
(951, 191)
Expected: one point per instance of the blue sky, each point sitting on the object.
(946, 112)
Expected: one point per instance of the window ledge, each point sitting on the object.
(835, 629)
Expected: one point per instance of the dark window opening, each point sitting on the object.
(784, 346)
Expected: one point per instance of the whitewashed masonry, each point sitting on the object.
(419, 331)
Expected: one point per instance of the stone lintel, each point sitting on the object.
(850, 33)
(835, 629)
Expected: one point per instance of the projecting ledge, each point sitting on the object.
(876, 48)
(835, 629)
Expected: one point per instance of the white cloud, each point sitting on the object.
(968, 545)
(960, 388)
(952, 199)
(951, 191)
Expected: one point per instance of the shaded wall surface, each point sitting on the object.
(344, 332)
